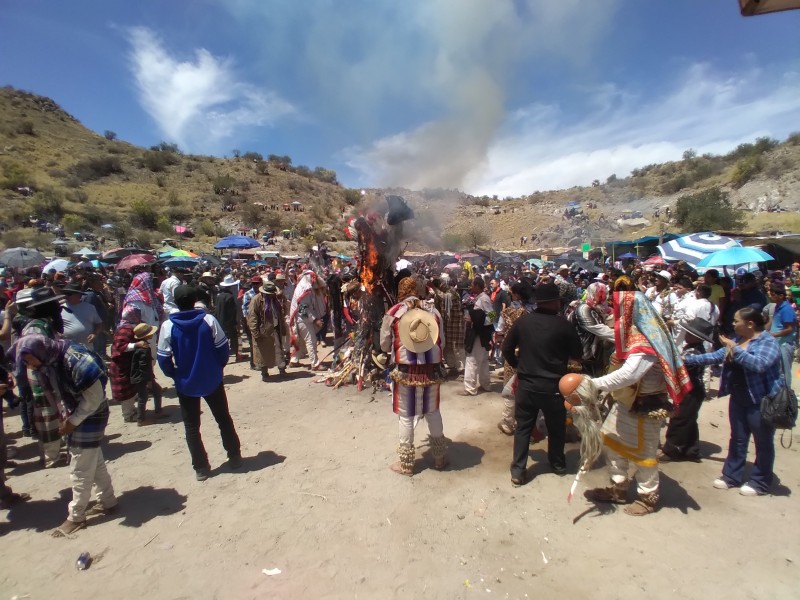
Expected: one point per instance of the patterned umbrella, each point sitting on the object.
(118, 253)
(695, 247)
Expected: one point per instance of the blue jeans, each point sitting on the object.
(745, 420)
(787, 355)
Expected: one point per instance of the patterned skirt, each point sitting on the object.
(415, 390)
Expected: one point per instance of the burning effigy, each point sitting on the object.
(359, 360)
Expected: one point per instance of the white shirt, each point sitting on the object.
(663, 304)
(167, 290)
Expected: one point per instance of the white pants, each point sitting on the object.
(476, 370)
(435, 427)
(50, 452)
(88, 468)
(624, 426)
(306, 336)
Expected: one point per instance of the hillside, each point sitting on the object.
(54, 169)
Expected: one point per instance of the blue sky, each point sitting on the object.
(491, 96)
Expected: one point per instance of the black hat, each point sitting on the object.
(699, 328)
(72, 288)
(185, 294)
(43, 296)
(546, 292)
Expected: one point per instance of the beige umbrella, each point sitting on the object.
(760, 7)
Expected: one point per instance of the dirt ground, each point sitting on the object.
(316, 500)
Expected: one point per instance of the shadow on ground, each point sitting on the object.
(262, 460)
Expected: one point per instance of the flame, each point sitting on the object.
(370, 275)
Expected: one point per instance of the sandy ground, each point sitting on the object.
(315, 499)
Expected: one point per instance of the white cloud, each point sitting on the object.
(449, 62)
(198, 104)
(707, 111)
(539, 146)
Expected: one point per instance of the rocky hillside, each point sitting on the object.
(54, 170)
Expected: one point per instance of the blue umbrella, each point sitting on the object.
(628, 255)
(236, 241)
(737, 255)
(181, 262)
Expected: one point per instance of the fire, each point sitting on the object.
(369, 272)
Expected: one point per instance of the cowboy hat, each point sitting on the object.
(143, 331)
(229, 281)
(269, 288)
(379, 359)
(700, 328)
(72, 288)
(43, 296)
(563, 268)
(418, 329)
(546, 292)
(664, 274)
(256, 279)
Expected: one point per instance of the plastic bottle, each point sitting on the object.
(83, 562)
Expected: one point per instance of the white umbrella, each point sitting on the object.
(59, 264)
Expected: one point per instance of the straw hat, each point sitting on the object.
(143, 331)
(418, 329)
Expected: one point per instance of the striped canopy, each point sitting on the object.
(695, 247)
(760, 7)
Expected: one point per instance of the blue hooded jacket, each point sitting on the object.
(193, 350)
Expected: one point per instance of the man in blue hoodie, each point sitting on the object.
(193, 351)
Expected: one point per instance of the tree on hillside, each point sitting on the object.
(475, 237)
(352, 197)
(708, 210)
(109, 135)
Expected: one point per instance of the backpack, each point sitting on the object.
(780, 409)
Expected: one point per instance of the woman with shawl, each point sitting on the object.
(305, 319)
(142, 295)
(650, 378)
(597, 338)
(73, 379)
(448, 302)
(123, 391)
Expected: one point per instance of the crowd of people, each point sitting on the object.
(644, 337)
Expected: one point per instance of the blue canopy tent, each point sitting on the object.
(647, 243)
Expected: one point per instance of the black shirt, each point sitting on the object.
(546, 343)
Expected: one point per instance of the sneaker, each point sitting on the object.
(721, 484)
(749, 490)
(202, 474)
(559, 469)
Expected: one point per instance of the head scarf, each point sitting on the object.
(305, 286)
(623, 284)
(142, 290)
(638, 329)
(596, 294)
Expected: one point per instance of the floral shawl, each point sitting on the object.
(638, 329)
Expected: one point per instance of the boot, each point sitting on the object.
(616, 493)
(404, 466)
(643, 505)
(439, 451)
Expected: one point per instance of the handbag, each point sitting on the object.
(780, 409)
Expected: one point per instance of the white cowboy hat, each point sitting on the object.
(229, 281)
(418, 329)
